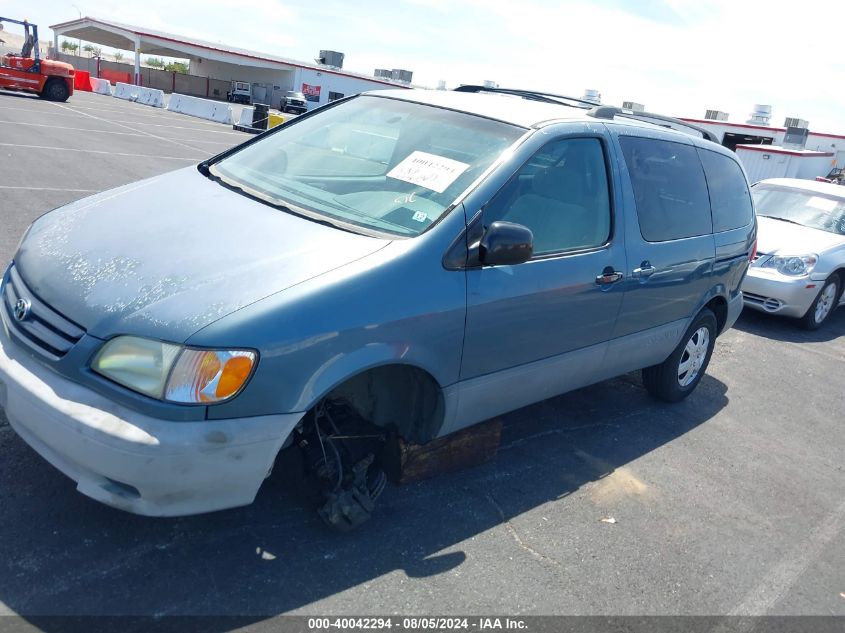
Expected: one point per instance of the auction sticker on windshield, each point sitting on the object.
(428, 170)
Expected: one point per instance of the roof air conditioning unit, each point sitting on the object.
(330, 58)
(761, 115)
(593, 96)
(796, 122)
(633, 106)
(795, 138)
(402, 75)
(716, 115)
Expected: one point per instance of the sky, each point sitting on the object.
(677, 57)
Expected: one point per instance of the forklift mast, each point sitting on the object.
(28, 29)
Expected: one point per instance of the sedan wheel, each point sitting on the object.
(823, 305)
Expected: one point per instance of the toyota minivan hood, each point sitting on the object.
(786, 238)
(170, 255)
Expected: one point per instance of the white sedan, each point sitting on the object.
(799, 269)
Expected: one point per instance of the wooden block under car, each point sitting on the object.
(407, 462)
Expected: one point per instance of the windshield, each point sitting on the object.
(383, 164)
(295, 95)
(808, 208)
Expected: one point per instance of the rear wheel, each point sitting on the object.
(676, 377)
(824, 304)
(55, 90)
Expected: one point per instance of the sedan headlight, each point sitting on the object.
(172, 372)
(793, 266)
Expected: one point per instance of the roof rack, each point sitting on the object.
(609, 112)
(533, 95)
(597, 111)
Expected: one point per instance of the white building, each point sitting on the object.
(818, 157)
(214, 65)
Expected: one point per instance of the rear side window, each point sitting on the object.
(669, 189)
(730, 200)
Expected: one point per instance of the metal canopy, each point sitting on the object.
(151, 42)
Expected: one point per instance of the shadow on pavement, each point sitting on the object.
(781, 328)
(63, 554)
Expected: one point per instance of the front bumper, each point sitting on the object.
(132, 461)
(769, 291)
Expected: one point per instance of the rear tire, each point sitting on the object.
(677, 377)
(824, 305)
(55, 90)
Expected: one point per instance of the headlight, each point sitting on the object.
(174, 373)
(794, 266)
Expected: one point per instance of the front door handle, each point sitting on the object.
(609, 276)
(645, 270)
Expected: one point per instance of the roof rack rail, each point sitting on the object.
(533, 95)
(609, 112)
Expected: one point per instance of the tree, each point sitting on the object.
(118, 56)
(155, 62)
(177, 67)
(70, 46)
(93, 51)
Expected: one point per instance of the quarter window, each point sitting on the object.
(669, 189)
(730, 200)
(561, 194)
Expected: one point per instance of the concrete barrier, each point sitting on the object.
(202, 108)
(124, 91)
(100, 86)
(145, 96)
(246, 116)
(150, 97)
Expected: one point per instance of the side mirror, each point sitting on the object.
(506, 243)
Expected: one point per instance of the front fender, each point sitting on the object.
(340, 368)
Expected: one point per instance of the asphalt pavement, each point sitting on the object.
(731, 502)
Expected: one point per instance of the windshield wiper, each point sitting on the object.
(774, 217)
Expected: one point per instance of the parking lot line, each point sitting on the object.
(789, 570)
(99, 151)
(31, 111)
(195, 129)
(75, 129)
(49, 189)
(150, 134)
(199, 126)
(147, 112)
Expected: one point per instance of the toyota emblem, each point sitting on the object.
(22, 308)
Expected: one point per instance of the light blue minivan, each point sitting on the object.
(396, 264)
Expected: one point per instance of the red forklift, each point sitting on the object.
(26, 71)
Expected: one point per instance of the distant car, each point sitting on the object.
(241, 92)
(399, 264)
(799, 270)
(293, 102)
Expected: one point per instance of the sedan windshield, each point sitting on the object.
(382, 164)
(799, 206)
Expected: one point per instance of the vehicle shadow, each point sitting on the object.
(781, 328)
(63, 554)
(19, 95)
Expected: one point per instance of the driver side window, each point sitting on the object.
(561, 194)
